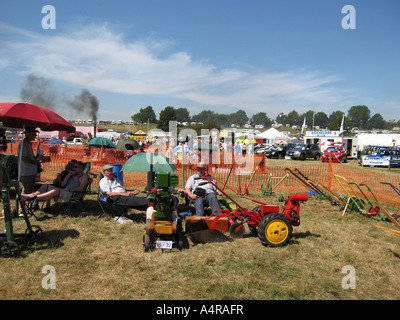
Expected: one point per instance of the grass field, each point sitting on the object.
(102, 259)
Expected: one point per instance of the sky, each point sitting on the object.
(267, 56)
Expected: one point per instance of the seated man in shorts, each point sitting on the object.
(75, 181)
(117, 194)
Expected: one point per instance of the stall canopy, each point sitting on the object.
(271, 133)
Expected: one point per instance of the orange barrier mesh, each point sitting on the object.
(238, 179)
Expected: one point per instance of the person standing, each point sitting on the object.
(28, 164)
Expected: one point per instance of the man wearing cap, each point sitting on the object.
(28, 162)
(117, 194)
(201, 192)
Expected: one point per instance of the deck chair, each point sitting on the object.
(90, 175)
(75, 201)
(109, 209)
(78, 197)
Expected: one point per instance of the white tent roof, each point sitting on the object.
(271, 133)
(252, 135)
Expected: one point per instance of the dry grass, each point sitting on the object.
(101, 259)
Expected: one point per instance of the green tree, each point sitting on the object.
(293, 118)
(309, 118)
(335, 120)
(144, 115)
(281, 118)
(166, 115)
(359, 116)
(261, 119)
(240, 117)
(204, 116)
(182, 115)
(321, 119)
(376, 122)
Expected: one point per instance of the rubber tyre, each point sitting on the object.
(302, 157)
(317, 157)
(146, 242)
(275, 230)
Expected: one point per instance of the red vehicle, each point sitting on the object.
(337, 153)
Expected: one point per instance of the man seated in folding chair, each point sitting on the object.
(75, 181)
(116, 193)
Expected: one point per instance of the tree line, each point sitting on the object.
(357, 116)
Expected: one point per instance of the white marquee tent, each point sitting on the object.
(272, 133)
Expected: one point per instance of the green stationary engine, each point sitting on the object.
(161, 195)
(163, 228)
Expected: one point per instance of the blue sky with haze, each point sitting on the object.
(257, 55)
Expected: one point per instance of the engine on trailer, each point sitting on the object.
(163, 228)
(160, 196)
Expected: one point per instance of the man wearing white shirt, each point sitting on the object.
(117, 194)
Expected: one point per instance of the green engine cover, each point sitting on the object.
(162, 200)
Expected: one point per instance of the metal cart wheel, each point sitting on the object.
(35, 231)
(9, 249)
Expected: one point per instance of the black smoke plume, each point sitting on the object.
(87, 103)
(39, 91)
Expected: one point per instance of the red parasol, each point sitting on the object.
(23, 115)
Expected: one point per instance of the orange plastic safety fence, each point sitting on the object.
(235, 177)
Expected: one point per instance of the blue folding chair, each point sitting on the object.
(108, 208)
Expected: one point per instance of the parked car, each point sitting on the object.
(278, 152)
(261, 149)
(75, 141)
(337, 152)
(304, 151)
(386, 152)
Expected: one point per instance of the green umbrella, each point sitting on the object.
(148, 162)
(127, 144)
(100, 142)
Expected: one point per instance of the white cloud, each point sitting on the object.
(96, 57)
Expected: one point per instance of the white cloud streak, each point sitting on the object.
(96, 57)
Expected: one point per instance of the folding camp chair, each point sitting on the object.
(110, 209)
(90, 175)
(78, 197)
